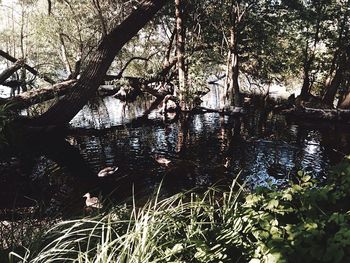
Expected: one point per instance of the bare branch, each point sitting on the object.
(26, 66)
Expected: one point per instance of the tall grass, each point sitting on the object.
(304, 222)
(186, 227)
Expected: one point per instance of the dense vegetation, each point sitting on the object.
(171, 51)
(304, 222)
(248, 43)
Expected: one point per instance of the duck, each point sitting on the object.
(162, 161)
(227, 163)
(107, 171)
(92, 201)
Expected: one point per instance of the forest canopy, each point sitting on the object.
(249, 44)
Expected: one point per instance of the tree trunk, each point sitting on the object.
(35, 96)
(340, 57)
(93, 75)
(9, 71)
(233, 91)
(345, 103)
(39, 95)
(332, 88)
(23, 79)
(309, 61)
(305, 89)
(64, 55)
(180, 52)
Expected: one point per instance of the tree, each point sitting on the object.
(180, 52)
(101, 59)
(340, 46)
(249, 34)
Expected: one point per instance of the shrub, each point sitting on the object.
(303, 222)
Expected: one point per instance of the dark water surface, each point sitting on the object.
(203, 149)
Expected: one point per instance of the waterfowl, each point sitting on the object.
(162, 160)
(107, 171)
(92, 201)
(227, 163)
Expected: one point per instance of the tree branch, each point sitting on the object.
(26, 66)
(9, 71)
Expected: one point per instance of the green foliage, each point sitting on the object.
(182, 228)
(302, 223)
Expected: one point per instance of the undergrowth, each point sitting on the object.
(303, 222)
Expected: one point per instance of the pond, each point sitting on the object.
(264, 148)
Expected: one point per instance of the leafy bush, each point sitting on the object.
(301, 223)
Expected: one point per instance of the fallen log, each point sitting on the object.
(40, 95)
(340, 115)
(231, 111)
(35, 96)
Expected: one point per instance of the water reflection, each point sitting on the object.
(107, 112)
(203, 149)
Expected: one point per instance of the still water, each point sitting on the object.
(265, 148)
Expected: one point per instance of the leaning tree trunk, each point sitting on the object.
(342, 58)
(333, 87)
(93, 75)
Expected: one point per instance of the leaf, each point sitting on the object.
(272, 204)
(287, 197)
(306, 178)
(275, 258)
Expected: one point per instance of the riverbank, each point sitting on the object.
(300, 223)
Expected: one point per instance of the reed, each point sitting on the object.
(186, 227)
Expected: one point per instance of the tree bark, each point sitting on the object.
(232, 80)
(9, 71)
(339, 61)
(305, 89)
(93, 75)
(344, 101)
(345, 104)
(181, 92)
(332, 88)
(35, 96)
